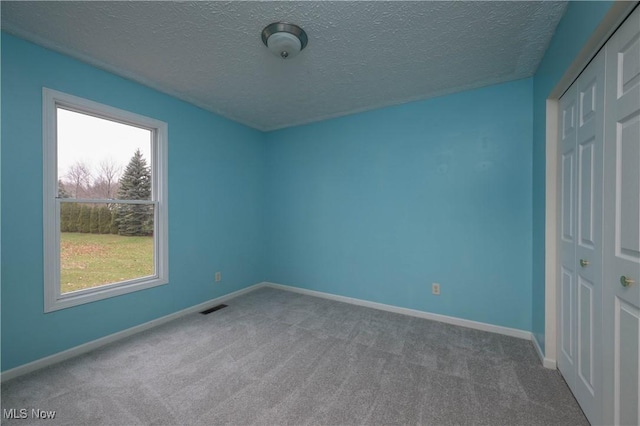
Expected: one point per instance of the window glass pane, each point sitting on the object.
(99, 158)
(104, 244)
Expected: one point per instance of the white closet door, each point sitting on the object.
(589, 159)
(621, 307)
(581, 161)
(567, 289)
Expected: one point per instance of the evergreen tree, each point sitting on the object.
(72, 219)
(94, 221)
(135, 184)
(84, 219)
(114, 221)
(65, 216)
(104, 220)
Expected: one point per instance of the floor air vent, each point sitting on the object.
(215, 308)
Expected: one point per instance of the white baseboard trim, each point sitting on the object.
(94, 344)
(513, 332)
(546, 362)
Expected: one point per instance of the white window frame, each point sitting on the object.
(53, 299)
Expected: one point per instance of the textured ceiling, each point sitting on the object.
(361, 55)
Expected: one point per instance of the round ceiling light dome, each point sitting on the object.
(284, 40)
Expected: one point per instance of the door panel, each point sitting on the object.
(588, 99)
(627, 323)
(621, 296)
(567, 291)
(581, 163)
(628, 208)
(585, 200)
(589, 141)
(585, 334)
(567, 195)
(566, 315)
(628, 65)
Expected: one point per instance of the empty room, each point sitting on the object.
(320, 213)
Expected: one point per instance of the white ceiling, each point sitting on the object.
(361, 54)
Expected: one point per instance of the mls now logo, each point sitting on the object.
(14, 413)
(23, 413)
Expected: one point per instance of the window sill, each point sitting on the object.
(93, 295)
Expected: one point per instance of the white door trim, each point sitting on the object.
(611, 21)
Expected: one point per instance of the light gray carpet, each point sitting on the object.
(275, 357)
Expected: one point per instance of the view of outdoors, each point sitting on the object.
(103, 242)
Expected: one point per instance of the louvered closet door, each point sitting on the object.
(581, 137)
(622, 226)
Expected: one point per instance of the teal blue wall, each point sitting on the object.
(575, 28)
(216, 178)
(379, 205)
(375, 206)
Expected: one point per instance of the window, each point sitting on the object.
(105, 201)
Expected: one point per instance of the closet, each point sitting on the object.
(599, 232)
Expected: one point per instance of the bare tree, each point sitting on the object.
(107, 180)
(79, 178)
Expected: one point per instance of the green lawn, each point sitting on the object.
(90, 260)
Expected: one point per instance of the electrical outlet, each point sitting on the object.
(435, 289)
(218, 276)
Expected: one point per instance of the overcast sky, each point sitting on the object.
(91, 140)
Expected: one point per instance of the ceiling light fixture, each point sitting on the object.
(284, 40)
